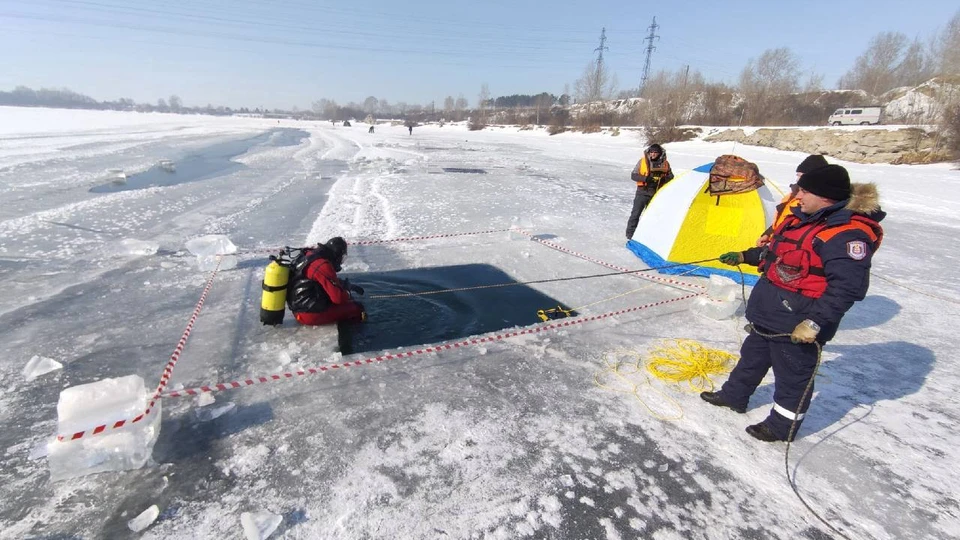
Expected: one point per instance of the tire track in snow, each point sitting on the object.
(337, 144)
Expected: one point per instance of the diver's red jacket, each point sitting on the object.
(321, 271)
(316, 295)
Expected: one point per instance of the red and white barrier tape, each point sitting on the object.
(414, 238)
(175, 356)
(217, 387)
(392, 240)
(164, 378)
(558, 247)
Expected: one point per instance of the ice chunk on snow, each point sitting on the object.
(128, 247)
(205, 399)
(144, 520)
(721, 300)
(84, 407)
(38, 365)
(207, 414)
(259, 525)
(208, 247)
(39, 451)
(211, 244)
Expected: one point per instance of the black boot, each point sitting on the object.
(714, 398)
(762, 432)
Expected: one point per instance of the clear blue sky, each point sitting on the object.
(277, 53)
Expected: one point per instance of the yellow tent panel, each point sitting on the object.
(715, 225)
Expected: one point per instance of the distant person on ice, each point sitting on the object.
(315, 294)
(650, 173)
(816, 265)
(785, 208)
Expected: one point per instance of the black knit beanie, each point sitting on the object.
(811, 162)
(830, 182)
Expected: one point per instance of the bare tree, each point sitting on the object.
(330, 109)
(775, 73)
(459, 106)
(672, 98)
(448, 106)
(176, 104)
(946, 48)
(484, 97)
(162, 105)
(383, 106)
(370, 105)
(814, 82)
(595, 84)
(915, 67)
(322, 107)
(888, 62)
(543, 102)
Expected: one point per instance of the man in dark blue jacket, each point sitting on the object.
(815, 267)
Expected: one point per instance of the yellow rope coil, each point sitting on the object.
(620, 375)
(686, 360)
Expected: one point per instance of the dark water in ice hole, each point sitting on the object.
(418, 320)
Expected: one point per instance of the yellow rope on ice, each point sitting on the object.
(686, 360)
(619, 375)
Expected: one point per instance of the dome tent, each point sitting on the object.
(686, 222)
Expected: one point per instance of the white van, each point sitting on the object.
(848, 116)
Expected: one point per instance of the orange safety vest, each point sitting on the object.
(787, 205)
(644, 169)
(790, 261)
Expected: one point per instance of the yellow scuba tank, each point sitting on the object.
(275, 279)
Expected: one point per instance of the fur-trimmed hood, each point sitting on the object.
(865, 199)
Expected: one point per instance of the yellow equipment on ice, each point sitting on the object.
(275, 279)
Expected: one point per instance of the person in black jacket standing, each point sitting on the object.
(816, 265)
(650, 173)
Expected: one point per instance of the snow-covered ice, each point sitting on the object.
(509, 438)
(131, 247)
(83, 407)
(259, 525)
(212, 412)
(144, 519)
(39, 365)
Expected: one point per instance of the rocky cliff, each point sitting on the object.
(860, 145)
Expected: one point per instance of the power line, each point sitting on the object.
(473, 54)
(334, 19)
(489, 42)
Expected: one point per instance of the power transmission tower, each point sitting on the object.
(598, 81)
(650, 48)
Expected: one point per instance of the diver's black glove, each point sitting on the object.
(351, 287)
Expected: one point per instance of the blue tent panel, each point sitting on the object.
(654, 261)
(705, 167)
